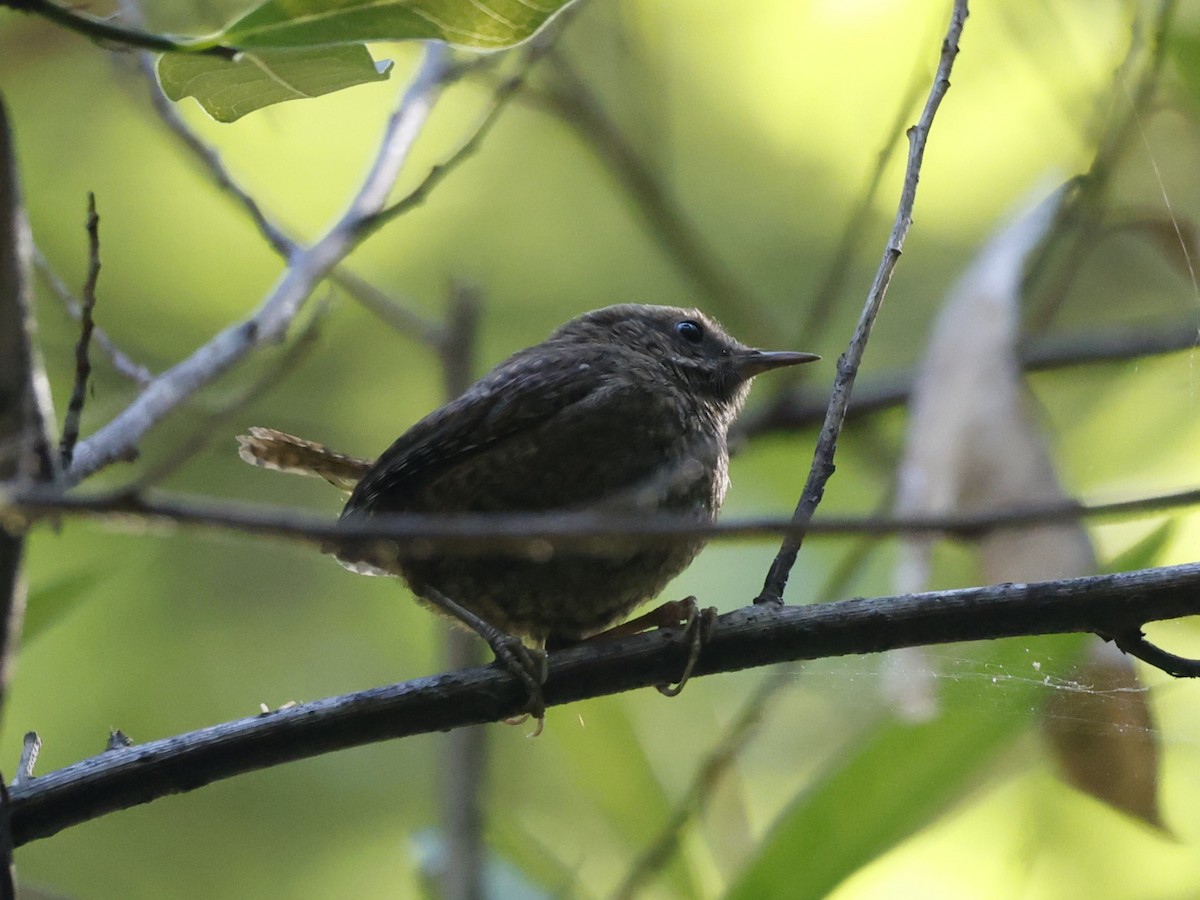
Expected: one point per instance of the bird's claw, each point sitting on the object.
(531, 667)
(698, 628)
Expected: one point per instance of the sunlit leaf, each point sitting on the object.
(229, 89)
(477, 24)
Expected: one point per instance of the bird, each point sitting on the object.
(625, 409)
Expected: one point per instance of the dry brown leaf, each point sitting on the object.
(1104, 738)
(974, 446)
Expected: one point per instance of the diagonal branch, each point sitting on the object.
(271, 320)
(822, 465)
(749, 637)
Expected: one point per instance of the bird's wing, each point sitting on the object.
(541, 431)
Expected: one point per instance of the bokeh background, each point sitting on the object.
(764, 123)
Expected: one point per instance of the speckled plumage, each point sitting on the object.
(621, 408)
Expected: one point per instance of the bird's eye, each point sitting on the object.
(692, 332)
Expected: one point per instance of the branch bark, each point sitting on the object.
(25, 448)
(749, 637)
(271, 320)
(822, 465)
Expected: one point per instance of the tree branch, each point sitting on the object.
(83, 363)
(274, 315)
(25, 453)
(103, 30)
(419, 534)
(121, 361)
(822, 465)
(749, 637)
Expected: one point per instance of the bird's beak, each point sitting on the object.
(755, 362)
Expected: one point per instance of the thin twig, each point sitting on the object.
(503, 93)
(206, 426)
(70, 17)
(122, 363)
(118, 779)
(1134, 643)
(822, 465)
(31, 747)
(83, 364)
(377, 301)
(276, 312)
(520, 534)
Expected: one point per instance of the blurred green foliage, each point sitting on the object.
(764, 126)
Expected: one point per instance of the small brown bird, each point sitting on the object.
(626, 408)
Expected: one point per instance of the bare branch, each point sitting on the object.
(31, 747)
(105, 30)
(25, 453)
(500, 98)
(121, 362)
(753, 636)
(822, 465)
(274, 315)
(83, 364)
(206, 428)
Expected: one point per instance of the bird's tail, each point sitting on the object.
(271, 449)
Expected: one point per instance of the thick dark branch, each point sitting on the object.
(754, 636)
(24, 410)
(822, 464)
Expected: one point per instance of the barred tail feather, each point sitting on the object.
(271, 449)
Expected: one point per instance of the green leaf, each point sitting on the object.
(474, 24)
(228, 89)
(901, 776)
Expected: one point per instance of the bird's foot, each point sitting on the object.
(531, 668)
(698, 628)
(698, 625)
